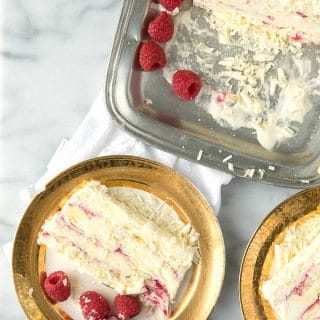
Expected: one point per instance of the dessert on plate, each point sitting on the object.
(292, 287)
(123, 247)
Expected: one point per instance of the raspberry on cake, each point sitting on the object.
(300, 18)
(108, 240)
(293, 270)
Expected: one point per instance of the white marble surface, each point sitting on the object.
(52, 63)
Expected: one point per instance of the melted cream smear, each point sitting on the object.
(254, 77)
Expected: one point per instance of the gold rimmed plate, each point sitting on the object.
(256, 260)
(206, 279)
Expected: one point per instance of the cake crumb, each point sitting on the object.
(271, 168)
(226, 159)
(30, 292)
(230, 166)
(220, 151)
(199, 155)
(261, 173)
(87, 300)
(249, 173)
(318, 170)
(147, 101)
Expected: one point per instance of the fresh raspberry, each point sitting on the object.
(127, 306)
(151, 56)
(94, 306)
(42, 279)
(161, 28)
(170, 5)
(57, 286)
(186, 84)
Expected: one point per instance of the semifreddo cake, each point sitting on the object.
(301, 18)
(122, 247)
(293, 287)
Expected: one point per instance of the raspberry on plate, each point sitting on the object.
(186, 84)
(127, 306)
(151, 56)
(161, 28)
(170, 5)
(94, 306)
(57, 286)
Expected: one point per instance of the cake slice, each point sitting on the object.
(301, 18)
(293, 287)
(121, 247)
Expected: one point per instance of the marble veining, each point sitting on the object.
(53, 57)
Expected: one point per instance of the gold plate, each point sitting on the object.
(207, 277)
(255, 261)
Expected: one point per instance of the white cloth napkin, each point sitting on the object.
(98, 135)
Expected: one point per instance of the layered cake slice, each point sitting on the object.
(292, 287)
(123, 248)
(301, 18)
